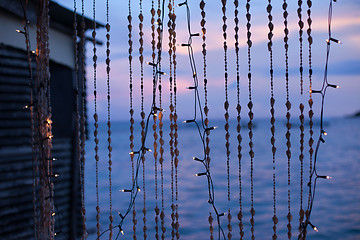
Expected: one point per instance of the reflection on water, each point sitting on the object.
(336, 210)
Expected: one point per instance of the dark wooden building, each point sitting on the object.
(16, 175)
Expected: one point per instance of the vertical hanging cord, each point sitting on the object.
(157, 211)
(288, 107)
(96, 125)
(107, 26)
(238, 108)
(42, 120)
(141, 59)
(160, 15)
(49, 124)
(176, 161)
(226, 106)
(301, 117)
(31, 107)
(272, 111)
(131, 111)
(77, 97)
(311, 113)
(251, 116)
(83, 122)
(171, 142)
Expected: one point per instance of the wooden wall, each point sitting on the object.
(16, 207)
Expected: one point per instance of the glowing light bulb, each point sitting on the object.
(122, 232)
(161, 73)
(125, 190)
(28, 106)
(197, 159)
(333, 86)
(313, 227)
(325, 177)
(56, 175)
(200, 174)
(211, 128)
(138, 189)
(151, 64)
(19, 31)
(189, 121)
(53, 214)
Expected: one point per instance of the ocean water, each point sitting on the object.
(336, 211)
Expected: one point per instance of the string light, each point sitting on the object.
(143, 149)
(313, 170)
(202, 125)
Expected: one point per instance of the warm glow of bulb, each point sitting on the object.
(56, 175)
(325, 133)
(48, 121)
(53, 214)
(122, 232)
(328, 177)
(315, 229)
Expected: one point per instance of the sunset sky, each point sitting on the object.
(344, 65)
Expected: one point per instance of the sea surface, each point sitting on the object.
(336, 209)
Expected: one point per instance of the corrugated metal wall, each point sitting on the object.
(16, 207)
